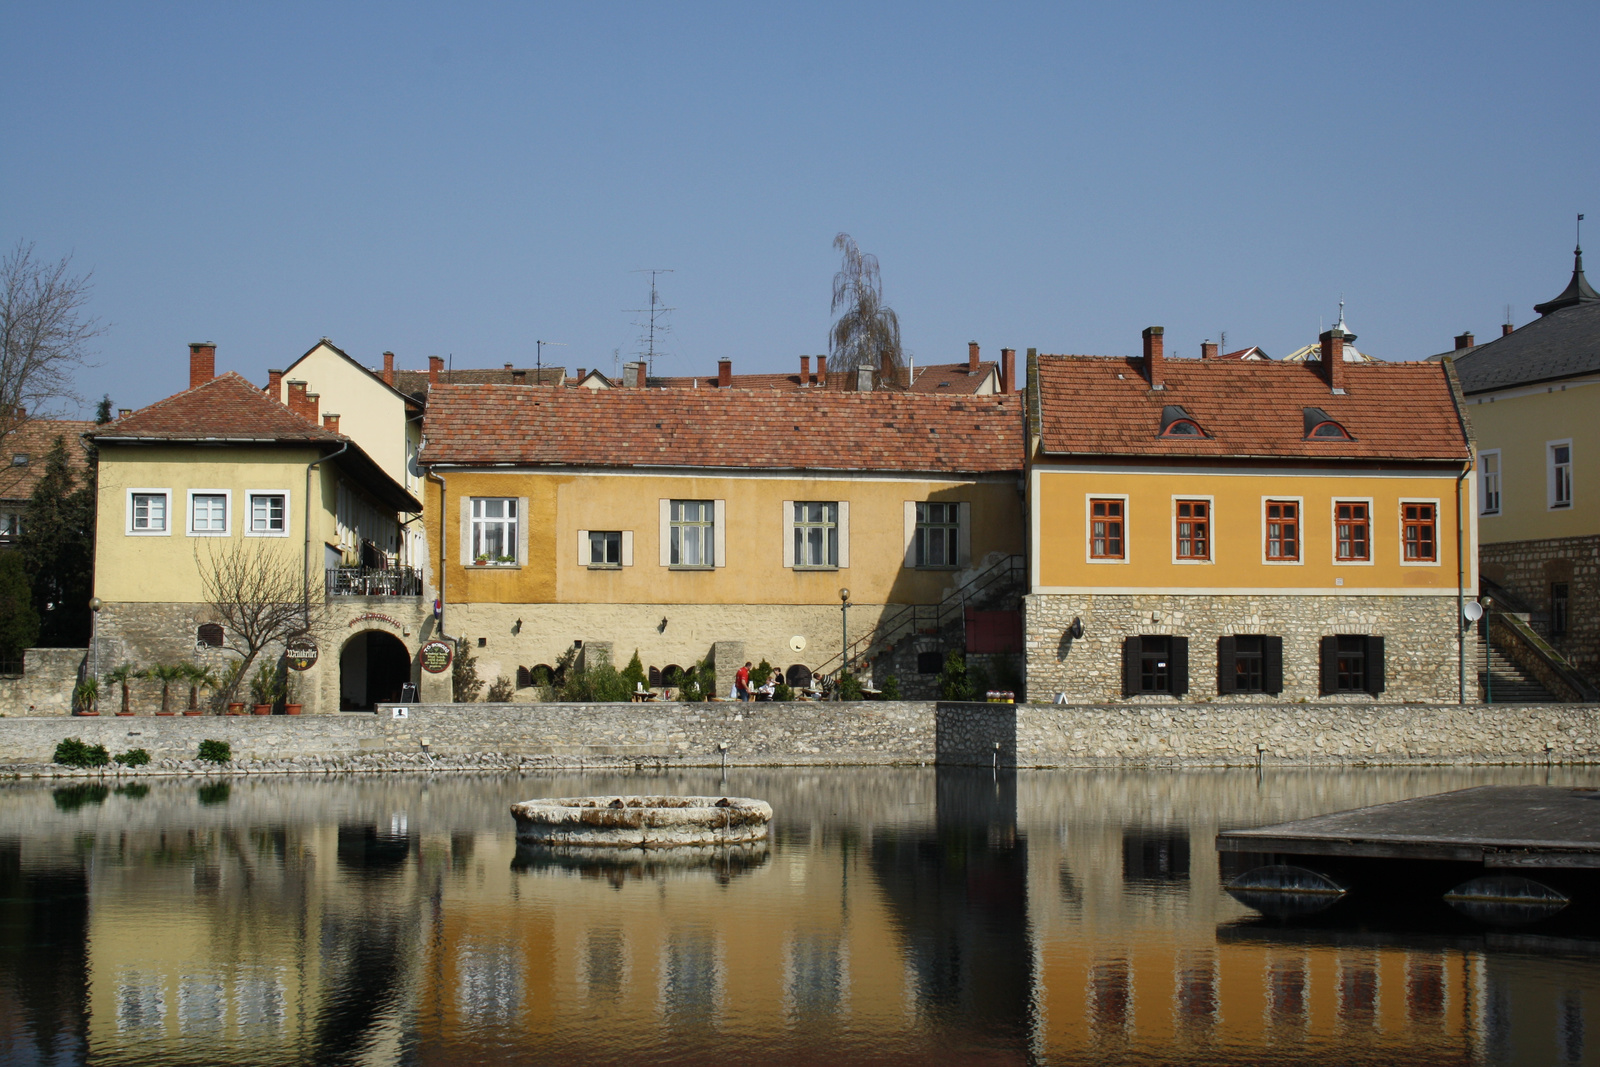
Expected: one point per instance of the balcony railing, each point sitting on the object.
(369, 581)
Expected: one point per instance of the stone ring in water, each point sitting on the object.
(641, 822)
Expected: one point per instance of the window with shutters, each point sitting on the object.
(1351, 669)
(605, 548)
(938, 535)
(1155, 666)
(1283, 531)
(1106, 528)
(1247, 665)
(1194, 530)
(1250, 663)
(1352, 528)
(1419, 532)
(1155, 663)
(1352, 663)
(692, 533)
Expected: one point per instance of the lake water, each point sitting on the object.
(900, 915)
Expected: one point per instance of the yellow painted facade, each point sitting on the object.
(370, 413)
(1516, 428)
(1237, 560)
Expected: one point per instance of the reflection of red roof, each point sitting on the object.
(34, 439)
(723, 428)
(1099, 405)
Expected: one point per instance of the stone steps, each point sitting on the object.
(1511, 684)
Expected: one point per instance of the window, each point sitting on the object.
(1182, 428)
(693, 529)
(1489, 487)
(1352, 522)
(1561, 475)
(938, 537)
(209, 635)
(816, 534)
(1155, 664)
(208, 513)
(1352, 663)
(1558, 609)
(930, 662)
(494, 530)
(10, 524)
(147, 511)
(605, 548)
(1329, 431)
(1105, 529)
(269, 513)
(19, 459)
(1194, 529)
(1250, 663)
(1283, 530)
(1419, 521)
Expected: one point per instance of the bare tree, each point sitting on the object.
(44, 333)
(867, 332)
(255, 592)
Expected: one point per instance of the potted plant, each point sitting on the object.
(264, 688)
(166, 674)
(86, 694)
(481, 559)
(226, 690)
(197, 676)
(291, 696)
(122, 675)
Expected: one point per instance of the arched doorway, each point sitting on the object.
(372, 668)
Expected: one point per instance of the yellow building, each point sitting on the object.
(674, 520)
(1246, 529)
(222, 475)
(1533, 395)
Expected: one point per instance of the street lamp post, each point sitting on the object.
(844, 641)
(95, 604)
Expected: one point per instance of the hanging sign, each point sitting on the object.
(301, 655)
(436, 656)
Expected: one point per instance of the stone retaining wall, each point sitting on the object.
(868, 733)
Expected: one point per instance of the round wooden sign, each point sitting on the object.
(301, 656)
(436, 656)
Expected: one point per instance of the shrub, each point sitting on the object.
(954, 683)
(759, 676)
(848, 687)
(691, 689)
(464, 680)
(134, 757)
(72, 752)
(782, 692)
(890, 688)
(501, 691)
(86, 694)
(634, 676)
(213, 793)
(215, 751)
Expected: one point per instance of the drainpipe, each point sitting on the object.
(444, 527)
(306, 604)
(1461, 591)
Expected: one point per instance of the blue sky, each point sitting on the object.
(461, 180)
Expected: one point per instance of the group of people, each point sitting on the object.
(741, 685)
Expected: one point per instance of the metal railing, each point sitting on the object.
(374, 581)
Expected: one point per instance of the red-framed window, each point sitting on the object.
(1105, 529)
(1283, 530)
(1421, 532)
(1194, 529)
(1352, 520)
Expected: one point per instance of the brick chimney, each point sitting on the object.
(805, 369)
(388, 368)
(313, 402)
(1506, 328)
(724, 373)
(1208, 350)
(1008, 370)
(822, 371)
(972, 357)
(202, 363)
(1464, 340)
(297, 396)
(519, 377)
(641, 374)
(1154, 368)
(275, 385)
(435, 369)
(330, 422)
(1333, 358)
(886, 375)
(123, 413)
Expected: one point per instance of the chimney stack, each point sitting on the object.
(1506, 328)
(297, 396)
(724, 373)
(1208, 350)
(1154, 369)
(313, 402)
(642, 374)
(123, 413)
(1333, 358)
(435, 368)
(519, 377)
(202, 363)
(581, 372)
(1464, 340)
(863, 379)
(275, 385)
(1008, 370)
(822, 371)
(330, 422)
(388, 368)
(972, 357)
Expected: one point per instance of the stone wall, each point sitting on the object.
(1529, 568)
(868, 733)
(1421, 642)
(45, 685)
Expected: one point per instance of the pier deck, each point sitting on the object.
(1498, 826)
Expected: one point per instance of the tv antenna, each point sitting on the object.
(656, 323)
(538, 359)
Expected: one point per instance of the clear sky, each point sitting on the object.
(463, 180)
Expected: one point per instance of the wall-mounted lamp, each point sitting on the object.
(1075, 631)
(662, 627)
(516, 627)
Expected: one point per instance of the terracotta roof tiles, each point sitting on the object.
(227, 408)
(34, 439)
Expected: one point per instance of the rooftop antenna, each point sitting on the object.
(1222, 342)
(655, 311)
(1508, 314)
(538, 359)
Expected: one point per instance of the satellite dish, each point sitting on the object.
(797, 643)
(1472, 611)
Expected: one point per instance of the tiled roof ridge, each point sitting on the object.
(121, 427)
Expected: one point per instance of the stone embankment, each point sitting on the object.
(550, 736)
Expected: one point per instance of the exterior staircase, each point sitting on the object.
(1510, 683)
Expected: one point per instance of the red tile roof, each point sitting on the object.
(227, 408)
(722, 428)
(34, 439)
(1099, 405)
(950, 379)
(415, 382)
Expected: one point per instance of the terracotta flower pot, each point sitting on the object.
(236, 709)
(262, 709)
(88, 714)
(293, 709)
(129, 714)
(193, 711)
(168, 714)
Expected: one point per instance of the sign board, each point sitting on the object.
(402, 713)
(436, 656)
(301, 655)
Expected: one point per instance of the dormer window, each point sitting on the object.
(1330, 430)
(1319, 426)
(1176, 422)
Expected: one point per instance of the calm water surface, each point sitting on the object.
(898, 916)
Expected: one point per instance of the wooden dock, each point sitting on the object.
(1495, 825)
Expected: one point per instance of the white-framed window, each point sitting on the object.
(269, 513)
(149, 512)
(605, 549)
(1489, 482)
(939, 533)
(817, 534)
(494, 530)
(1282, 529)
(1559, 464)
(1105, 531)
(1420, 529)
(692, 533)
(1192, 529)
(209, 512)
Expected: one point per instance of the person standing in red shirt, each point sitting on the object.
(741, 682)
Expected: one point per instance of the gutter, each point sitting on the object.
(444, 527)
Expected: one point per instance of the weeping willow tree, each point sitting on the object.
(867, 332)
